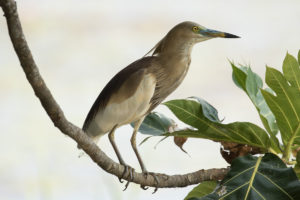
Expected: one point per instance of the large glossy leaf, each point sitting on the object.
(191, 113)
(285, 105)
(251, 84)
(252, 178)
(202, 189)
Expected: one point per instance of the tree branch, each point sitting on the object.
(57, 116)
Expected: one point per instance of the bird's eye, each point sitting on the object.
(195, 28)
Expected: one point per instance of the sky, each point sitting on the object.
(79, 45)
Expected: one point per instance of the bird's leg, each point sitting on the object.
(137, 124)
(111, 137)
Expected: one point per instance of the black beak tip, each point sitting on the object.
(228, 35)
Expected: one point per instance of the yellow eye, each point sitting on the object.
(195, 28)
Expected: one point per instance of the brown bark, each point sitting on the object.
(57, 116)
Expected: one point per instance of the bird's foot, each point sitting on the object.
(126, 169)
(130, 170)
(146, 173)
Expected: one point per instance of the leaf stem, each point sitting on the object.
(272, 151)
(288, 148)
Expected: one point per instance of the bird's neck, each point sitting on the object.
(179, 60)
(175, 60)
(171, 46)
(173, 52)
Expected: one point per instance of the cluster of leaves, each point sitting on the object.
(279, 110)
(251, 177)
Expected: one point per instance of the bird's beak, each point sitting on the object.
(214, 33)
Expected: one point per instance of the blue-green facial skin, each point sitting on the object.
(210, 33)
(207, 32)
(199, 29)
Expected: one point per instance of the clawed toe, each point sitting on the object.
(124, 172)
(126, 168)
(145, 173)
(131, 172)
(144, 187)
(155, 190)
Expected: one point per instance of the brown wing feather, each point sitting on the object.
(136, 68)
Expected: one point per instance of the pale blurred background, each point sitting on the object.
(80, 45)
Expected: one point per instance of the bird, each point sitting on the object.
(141, 86)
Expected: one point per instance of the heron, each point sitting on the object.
(141, 86)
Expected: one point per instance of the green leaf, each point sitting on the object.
(252, 178)
(251, 83)
(285, 105)
(208, 110)
(299, 57)
(156, 124)
(202, 189)
(239, 77)
(291, 71)
(191, 113)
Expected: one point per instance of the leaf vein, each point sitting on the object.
(259, 138)
(283, 113)
(238, 174)
(253, 176)
(259, 193)
(235, 190)
(287, 96)
(203, 121)
(282, 190)
(295, 75)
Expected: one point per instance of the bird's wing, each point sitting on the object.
(124, 84)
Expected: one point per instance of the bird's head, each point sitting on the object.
(186, 34)
(191, 31)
